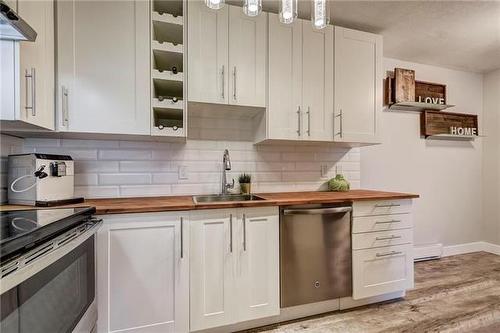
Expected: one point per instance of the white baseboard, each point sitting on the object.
(433, 250)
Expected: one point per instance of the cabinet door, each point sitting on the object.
(37, 65)
(247, 58)
(358, 85)
(317, 83)
(258, 263)
(382, 270)
(285, 79)
(143, 273)
(104, 66)
(208, 53)
(212, 298)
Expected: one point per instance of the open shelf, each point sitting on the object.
(168, 122)
(165, 60)
(167, 47)
(418, 106)
(167, 33)
(453, 137)
(167, 103)
(173, 7)
(167, 18)
(167, 89)
(167, 75)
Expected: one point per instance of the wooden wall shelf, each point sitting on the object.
(437, 125)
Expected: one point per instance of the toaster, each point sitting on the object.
(41, 179)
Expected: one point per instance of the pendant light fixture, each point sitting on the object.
(214, 4)
(320, 14)
(288, 11)
(252, 7)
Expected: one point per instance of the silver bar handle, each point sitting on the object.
(392, 253)
(298, 120)
(65, 106)
(231, 233)
(244, 232)
(316, 211)
(383, 222)
(182, 237)
(388, 237)
(387, 205)
(308, 121)
(234, 83)
(341, 121)
(223, 81)
(32, 77)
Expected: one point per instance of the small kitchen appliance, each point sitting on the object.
(41, 179)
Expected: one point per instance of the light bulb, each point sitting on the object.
(214, 4)
(252, 7)
(320, 14)
(288, 11)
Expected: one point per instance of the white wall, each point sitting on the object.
(446, 174)
(127, 168)
(491, 157)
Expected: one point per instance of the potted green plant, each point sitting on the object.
(245, 183)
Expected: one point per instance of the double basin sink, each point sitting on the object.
(225, 198)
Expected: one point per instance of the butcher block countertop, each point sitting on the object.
(179, 203)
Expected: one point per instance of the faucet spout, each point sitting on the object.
(226, 166)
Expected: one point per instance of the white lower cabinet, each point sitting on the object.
(143, 273)
(382, 256)
(234, 266)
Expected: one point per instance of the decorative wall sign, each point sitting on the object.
(428, 92)
(447, 123)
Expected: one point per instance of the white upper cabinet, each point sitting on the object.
(143, 273)
(27, 74)
(207, 53)
(317, 82)
(358, 85)
(103, 66)
(37, 64)
(300, 103)
(247, 58)
(285, 79)
(227, 53)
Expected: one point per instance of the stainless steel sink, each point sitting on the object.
(225, 198)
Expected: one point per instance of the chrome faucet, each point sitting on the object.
(226, 166)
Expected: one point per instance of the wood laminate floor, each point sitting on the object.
(454, 294)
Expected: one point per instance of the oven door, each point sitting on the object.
(58, 297)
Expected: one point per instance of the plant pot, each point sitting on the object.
(245, 188)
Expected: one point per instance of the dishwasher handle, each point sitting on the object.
(317, 211)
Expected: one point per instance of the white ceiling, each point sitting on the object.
(455, 34)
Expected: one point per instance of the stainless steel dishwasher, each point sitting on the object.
(315, 253)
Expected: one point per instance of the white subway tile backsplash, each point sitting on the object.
(124, 178)
(124, 154)
(111, 168)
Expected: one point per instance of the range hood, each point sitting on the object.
(12, 27)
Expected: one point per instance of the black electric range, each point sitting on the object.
(22, 230)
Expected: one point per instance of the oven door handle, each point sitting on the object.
(317, 211)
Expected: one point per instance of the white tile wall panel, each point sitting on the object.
(111, 168)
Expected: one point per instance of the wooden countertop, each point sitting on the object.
(178, 203)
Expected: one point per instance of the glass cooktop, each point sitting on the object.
(25, 228)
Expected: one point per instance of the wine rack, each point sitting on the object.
(168, 37)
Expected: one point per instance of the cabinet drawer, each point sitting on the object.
(382, 270)
(381, 222)
(368, 208)
(382, 238)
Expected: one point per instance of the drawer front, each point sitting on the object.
(385, 207)
(382, 270)
(382, 238)
(381, 222)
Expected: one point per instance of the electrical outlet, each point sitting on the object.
(183, 172)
